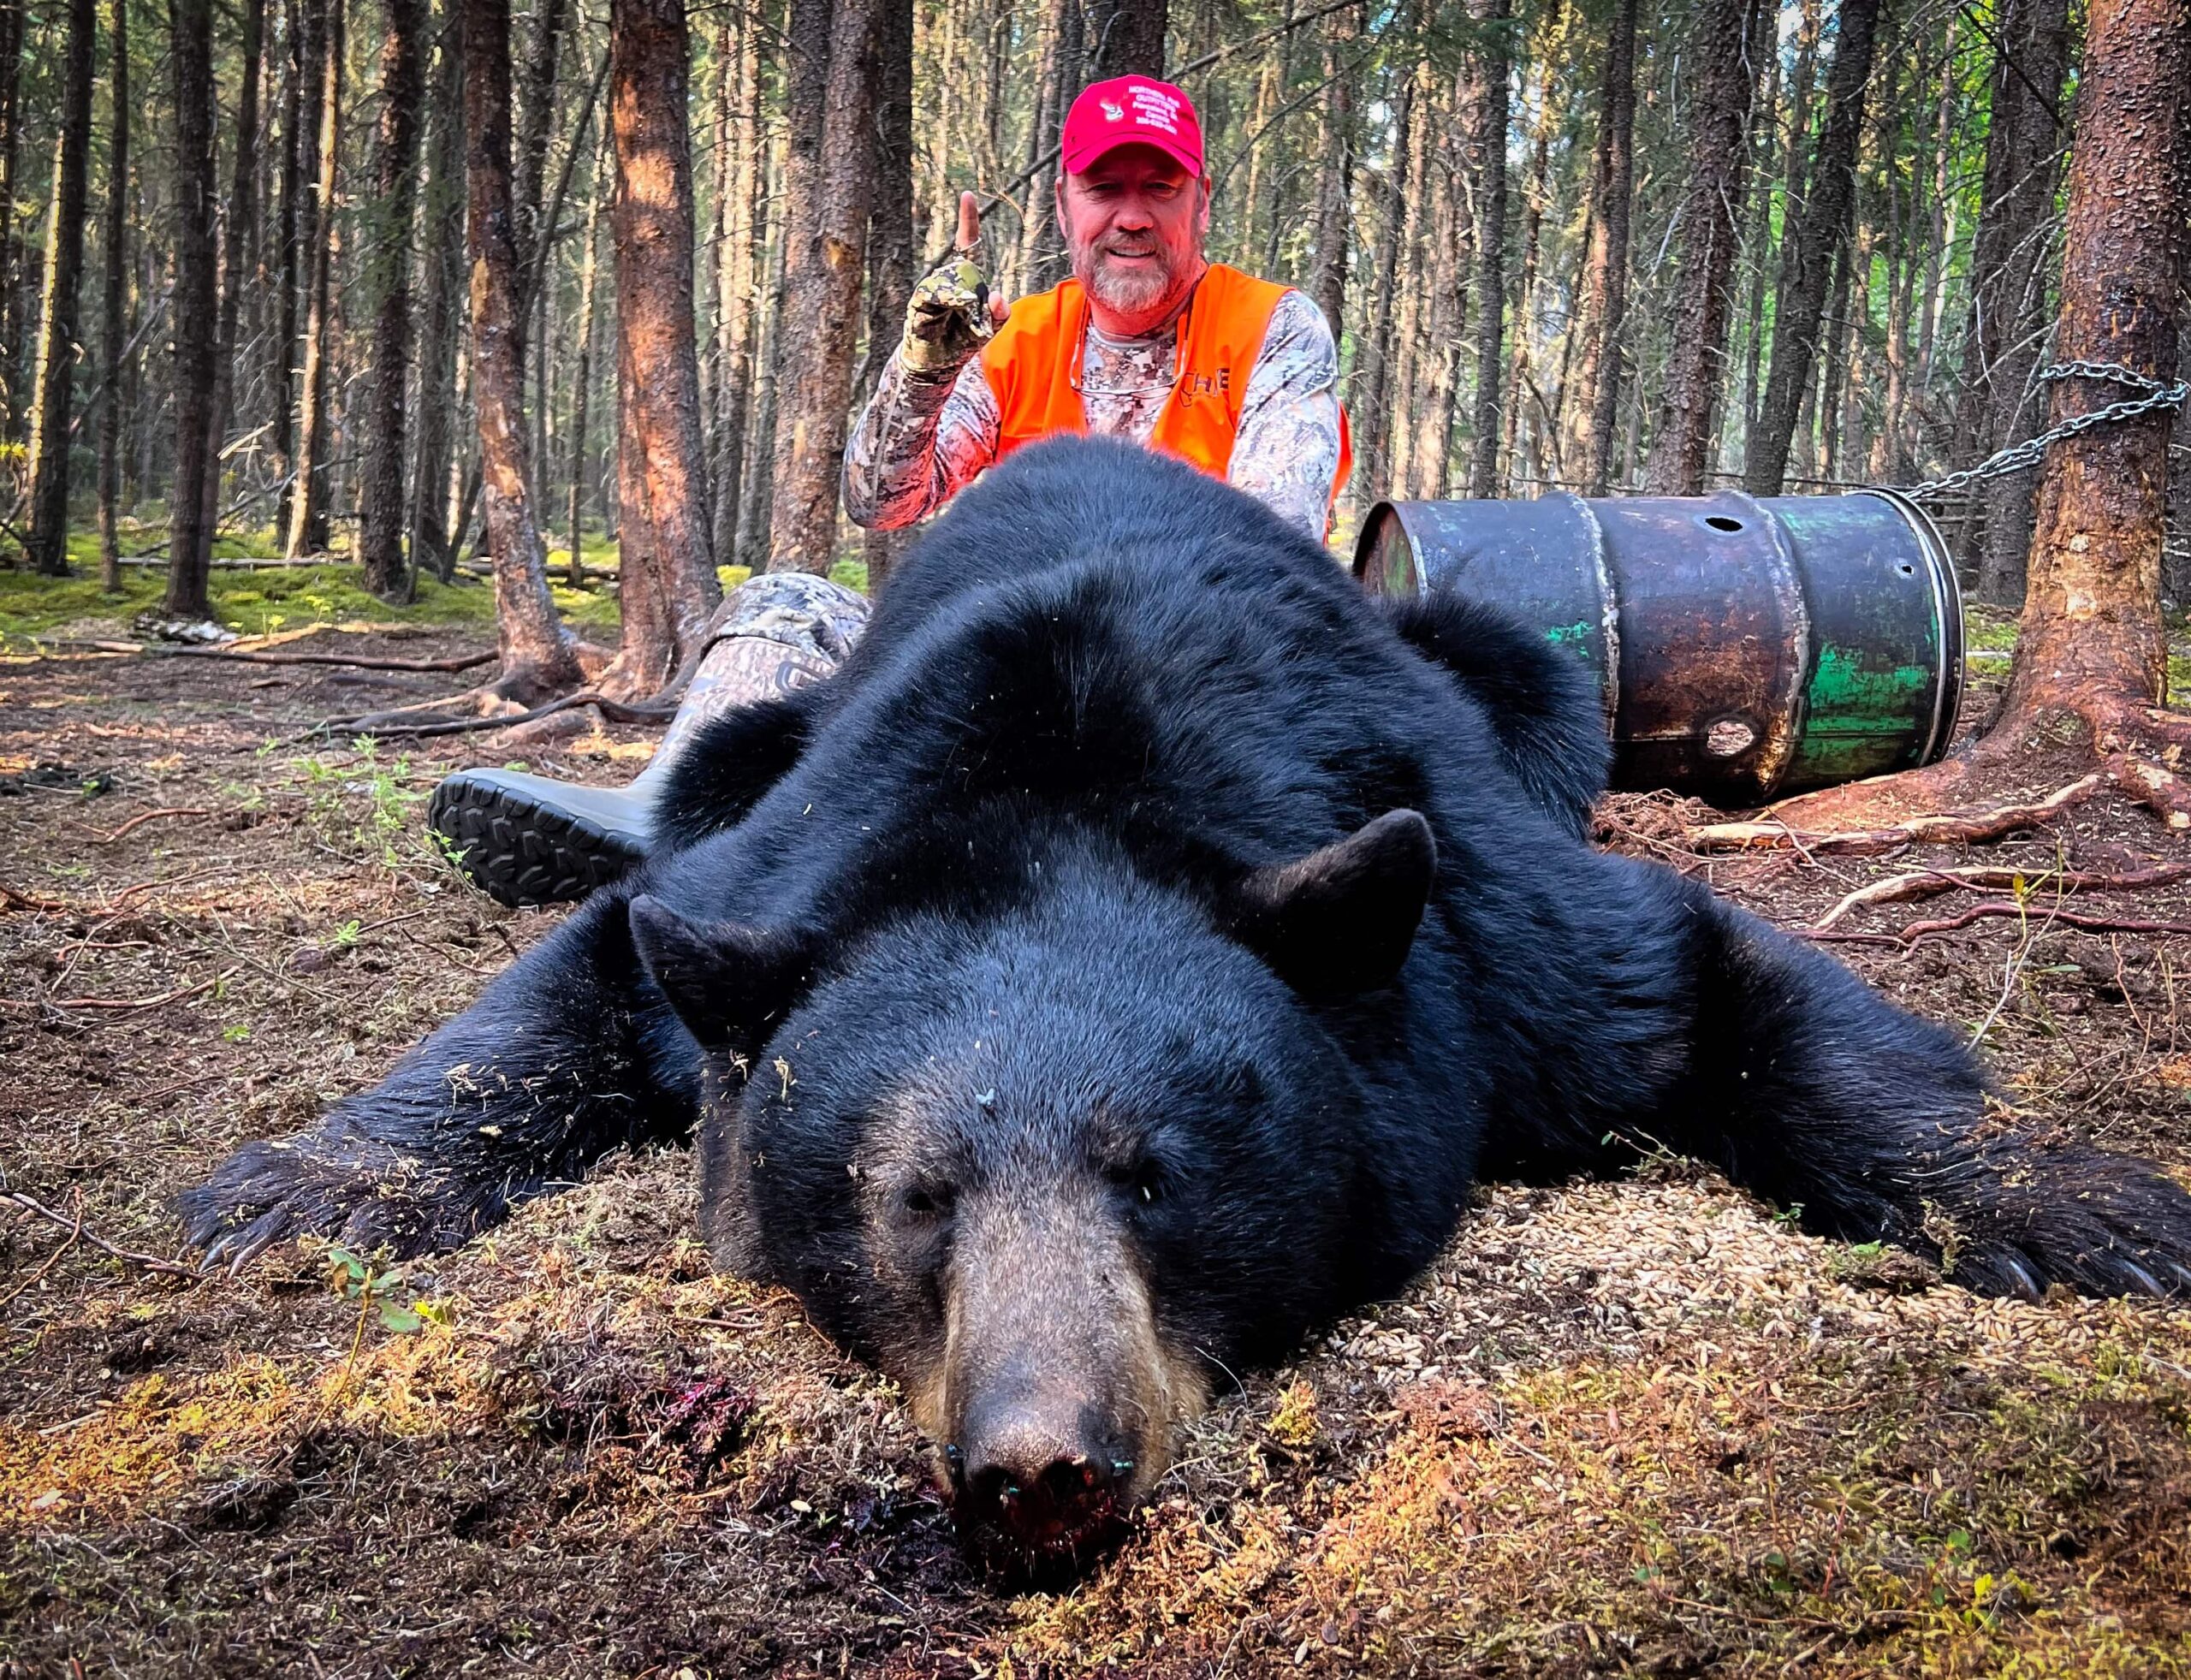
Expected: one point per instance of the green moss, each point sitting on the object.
(1988, 628)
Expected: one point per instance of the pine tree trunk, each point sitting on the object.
(381, 504)
(111, 329)
(441, 280)
(294, 239)
(537, 653)
(1552, 39)
(824, 264)
(2092, 623)
(11, 325)
(240, 219)
(1373, 377)
(52, 383)
(1711, 232)
(667, 574)
(1817, 228)
(582, 392)
(1126, 38)
(1488, 141)
(308, 531)
(1041, 262)
(754, 501)
(743, 182)
(1396, 446)
(1597, 367)
(536, 126)
(190, 51)
(1335, 184)
(2009, 269)
(890, 232)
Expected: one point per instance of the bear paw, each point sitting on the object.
(369, 1197)
(2094, 1222)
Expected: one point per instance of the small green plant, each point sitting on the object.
(355, 1277)
(346, 936)
(238, 1034)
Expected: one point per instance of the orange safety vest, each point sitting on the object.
(1032, 367)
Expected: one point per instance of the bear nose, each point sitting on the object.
(1040, 1475)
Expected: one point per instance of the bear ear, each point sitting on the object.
(1341, 919)
(728, 982)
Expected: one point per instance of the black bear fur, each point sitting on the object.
(1103, 705)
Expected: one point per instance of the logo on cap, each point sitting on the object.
(1114, 113)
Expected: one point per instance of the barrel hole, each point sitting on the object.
(1721, 522)
(1729, 736)
(1906, 569)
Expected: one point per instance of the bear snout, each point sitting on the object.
(1044, 1471)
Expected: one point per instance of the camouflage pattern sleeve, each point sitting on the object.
(919, 441)
(1287, 449)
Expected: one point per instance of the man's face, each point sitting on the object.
(1134, 222)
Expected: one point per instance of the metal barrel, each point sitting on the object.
(1745, 649)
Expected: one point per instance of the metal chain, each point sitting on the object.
(2032, 450)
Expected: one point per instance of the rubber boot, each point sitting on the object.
(531, 839)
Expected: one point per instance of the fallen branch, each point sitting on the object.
(142, 817)
(1968, 828)
(1929, 883)
(11, 898)
(357, 661)
(1994, 908)
(175, 996)
(408, 723)
(151, 1263)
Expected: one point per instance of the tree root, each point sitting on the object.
(357, 661)
(1929, 883)
(414, 722)
(1779, 833)
(1992, 908)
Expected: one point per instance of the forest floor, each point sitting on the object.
(1634, 1427)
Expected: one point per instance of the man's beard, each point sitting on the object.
(1130, 291)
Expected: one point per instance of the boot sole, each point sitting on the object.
(520, 852)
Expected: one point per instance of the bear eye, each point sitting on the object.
(1141, 1183)
(927, 1202)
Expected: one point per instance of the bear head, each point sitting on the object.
(1057, 1167)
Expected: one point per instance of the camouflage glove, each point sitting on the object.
(946, 319)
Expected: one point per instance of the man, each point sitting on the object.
(1147, 340)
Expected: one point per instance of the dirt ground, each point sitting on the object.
(1635, 1426)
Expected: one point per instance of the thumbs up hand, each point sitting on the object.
(952, 313)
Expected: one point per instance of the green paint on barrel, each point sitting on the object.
(1858, 716)
(1574, 636)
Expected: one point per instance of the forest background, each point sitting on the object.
(416, 281)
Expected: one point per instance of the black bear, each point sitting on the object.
(1131, 957)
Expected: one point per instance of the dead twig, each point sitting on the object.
(1928, 883)
(76, 1231)
(1968, 828)
(151, 1263)
(142, 817)
(358, 662)
(10, 900)
(1993, 908)
(175, 996)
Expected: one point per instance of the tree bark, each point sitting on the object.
(52, 383)
(2008, 285)
(755, 503)
(296, 239)
(1819, 228)
(190, 51)
(1335, 185)
(381, 504)
(582, 393)
(111, 330)
(1041, 255)
(666, 568)
(890, 234)
(537, 653)
(825, 262)
(241, 221)
(1126, 37)
(11, 325)
(2092, 623)
(1710, 236)
(1374, 376)
(1597, 369)
(1487, 144)
(308, 532)
(441, 280)
(536, 126)
(735, 271)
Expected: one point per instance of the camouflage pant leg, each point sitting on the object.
(773, 634)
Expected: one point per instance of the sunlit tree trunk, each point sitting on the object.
(582, 392)
(536, 653)
(1374, 376)
(666, 565)
(11, 320)
(744, 181)
(1488, 145)
(441, 283)
(890, 232)
(1597, 368)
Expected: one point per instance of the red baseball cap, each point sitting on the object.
(1130, 109)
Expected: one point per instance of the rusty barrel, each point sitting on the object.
(1745, 649)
